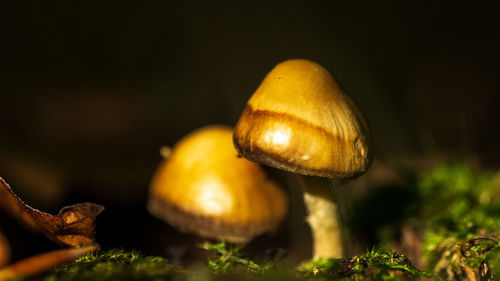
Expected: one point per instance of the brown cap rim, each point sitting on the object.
(255, 153)
(206, 226)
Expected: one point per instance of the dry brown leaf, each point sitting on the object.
(41, 263)
(73, 226)
(4, 250)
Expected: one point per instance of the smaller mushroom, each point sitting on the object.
(204, 188)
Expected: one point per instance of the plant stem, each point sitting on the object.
(43, 262)
(323, 217)
(4, 250)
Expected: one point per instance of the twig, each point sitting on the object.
(41, 263)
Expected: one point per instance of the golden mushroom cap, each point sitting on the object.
(300, 120)
(204, 188)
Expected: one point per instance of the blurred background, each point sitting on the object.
(90, 91)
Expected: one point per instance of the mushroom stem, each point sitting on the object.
(323, 217)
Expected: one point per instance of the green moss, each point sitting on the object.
(452, 205)
(229, 258)
(319, 267)
(116, 265)
(460, 209)
(377, 264)
(230, 264)
(459, 205)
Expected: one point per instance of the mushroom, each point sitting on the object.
(204, 188)
(301, 121)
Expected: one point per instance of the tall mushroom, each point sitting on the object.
(301, 121)
(204, 188)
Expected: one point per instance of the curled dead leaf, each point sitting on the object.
(41, 263)
(74, 225)
(4, 250)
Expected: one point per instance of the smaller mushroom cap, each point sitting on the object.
(204, 188)
(300, 120)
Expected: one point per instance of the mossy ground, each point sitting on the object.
(229, 264)
(377, 264)
(457, 208)
(116, 265)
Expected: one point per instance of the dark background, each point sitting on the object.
(90, 91)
